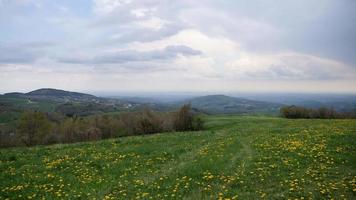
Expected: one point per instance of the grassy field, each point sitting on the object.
(235, 158)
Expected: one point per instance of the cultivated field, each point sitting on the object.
(235, 158)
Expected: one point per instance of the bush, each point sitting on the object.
(320, 113)
(48, 128)
(198, 123)
(295, 112)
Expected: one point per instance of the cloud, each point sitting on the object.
(144, 33)
(217, 43)
(107, 6)
(137, 21)
(16, 55)
(288, 66)
(125, 56)
(22, 53)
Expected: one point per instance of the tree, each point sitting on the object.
(69, 130)
(184, 119)
(109, 126)
(32, 127)
(150, 122)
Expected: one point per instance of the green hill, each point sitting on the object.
(221, 104)
(235, 158)
(55, 94)
(54, 100)
(50, 94)
(42, 99)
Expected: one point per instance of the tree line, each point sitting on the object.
(36, 127)
(295, 112)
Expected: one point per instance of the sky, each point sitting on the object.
(178, 46)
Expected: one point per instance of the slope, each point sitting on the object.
(237, 157)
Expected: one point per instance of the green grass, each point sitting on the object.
(237, 157)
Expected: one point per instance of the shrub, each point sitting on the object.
(295, 112)
(198, 123)
(42, 128)
(320, 113)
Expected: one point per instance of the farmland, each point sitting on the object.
(234, 158)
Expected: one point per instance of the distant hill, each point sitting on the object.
(13, 94)
(339, 102)
(66, 102)
(61, 95)
(53, 95)
(222, 104)
(75, 103)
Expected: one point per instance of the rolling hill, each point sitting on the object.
(50, 94)
(222, 104)
(49, 100)
(339, 102)
(66, 102)
(75, 103)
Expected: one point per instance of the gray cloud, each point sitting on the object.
(288, 73)
(112, 36)
(139, 34)
(126, 56)
(124, 22)
(22, 53)
(323, 28)
(331, 34)
(15, 55)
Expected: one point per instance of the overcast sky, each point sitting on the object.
(178, 46)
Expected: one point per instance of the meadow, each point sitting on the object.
(236, 157)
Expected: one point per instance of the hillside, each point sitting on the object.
(74, 103)
(221, 104)
(45, 100)
(55, 94)
(235, 158)
(339, 102)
